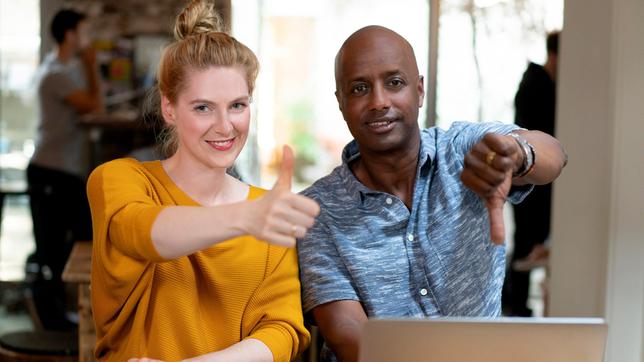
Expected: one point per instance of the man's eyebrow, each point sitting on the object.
(389, 73)
(385, 74)
(358, 79)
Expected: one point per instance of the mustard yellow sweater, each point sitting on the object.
(145, 306)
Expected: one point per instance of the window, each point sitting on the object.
(19, 57)
(296, 42)
(484, 48)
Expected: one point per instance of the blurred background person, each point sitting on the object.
(535, 110)
(67, 86)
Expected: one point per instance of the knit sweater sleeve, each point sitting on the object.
(124, 208)
(274, 313)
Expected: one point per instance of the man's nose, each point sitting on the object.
(379, 99)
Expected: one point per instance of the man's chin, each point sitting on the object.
(392, 142)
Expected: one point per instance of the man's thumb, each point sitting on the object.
(285, 177)
(497, 226)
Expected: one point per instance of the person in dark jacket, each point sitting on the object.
(535, 109)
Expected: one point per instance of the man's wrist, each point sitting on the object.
(527, 158)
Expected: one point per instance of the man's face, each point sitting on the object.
(80, 36)
(379, 91)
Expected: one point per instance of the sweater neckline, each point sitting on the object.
(181, 196)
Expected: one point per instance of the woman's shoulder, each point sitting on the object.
(120, 164)
(122, 170)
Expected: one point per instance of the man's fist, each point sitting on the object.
(487, 171)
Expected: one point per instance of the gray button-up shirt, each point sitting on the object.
(435, 260)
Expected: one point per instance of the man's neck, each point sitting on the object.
(393, 173)
(64, 53)
(551, 68)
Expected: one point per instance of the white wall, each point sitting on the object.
(598, 212)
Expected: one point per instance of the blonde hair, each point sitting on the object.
(201, 41)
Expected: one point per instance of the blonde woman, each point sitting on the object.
(190, 263)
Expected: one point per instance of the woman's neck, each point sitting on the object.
(207, 186)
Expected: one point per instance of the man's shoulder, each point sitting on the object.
(50, 77)
(337, 200)
(329, 186)
(534, 73)
(51, 69)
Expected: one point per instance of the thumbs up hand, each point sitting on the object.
(280, 216)
(285, 177)
(487, 171)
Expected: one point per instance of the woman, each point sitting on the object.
(188, 261)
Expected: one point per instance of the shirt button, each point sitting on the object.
(389, 201)
(410, 237)
(423, 292)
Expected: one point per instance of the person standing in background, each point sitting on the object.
(68, 86)
(535, 109)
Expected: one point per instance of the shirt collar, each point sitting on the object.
(354, 187)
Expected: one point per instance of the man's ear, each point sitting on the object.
(167, 110)
(421, 91)
(337, 97)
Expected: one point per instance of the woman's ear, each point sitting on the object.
(167, 109)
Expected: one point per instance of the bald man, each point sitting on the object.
(411, 223)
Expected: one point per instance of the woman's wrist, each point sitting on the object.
(242, 216)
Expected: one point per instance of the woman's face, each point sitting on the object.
(211, 116)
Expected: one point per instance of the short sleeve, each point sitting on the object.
(59, 85)
(466, 135)
(323, 275)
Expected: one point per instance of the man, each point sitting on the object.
(56, 173)
(411, 221)
(535, 109)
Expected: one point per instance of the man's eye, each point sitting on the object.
(397, 82)
(359, 88)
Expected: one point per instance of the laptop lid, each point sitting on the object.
(484, 340)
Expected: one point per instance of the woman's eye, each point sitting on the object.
(239, 105)
(202, 108)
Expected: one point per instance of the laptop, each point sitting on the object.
(484, 340)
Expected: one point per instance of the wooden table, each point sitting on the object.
(77, 270)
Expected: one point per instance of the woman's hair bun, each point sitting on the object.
(199, 17)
